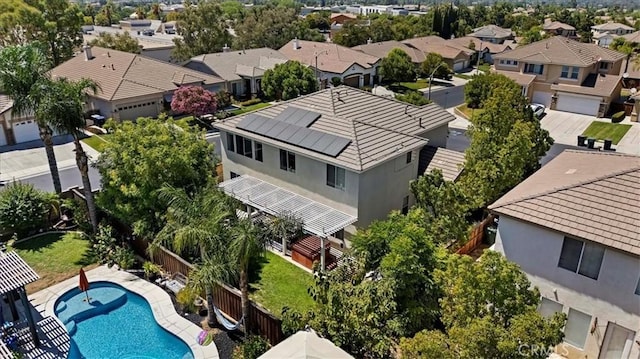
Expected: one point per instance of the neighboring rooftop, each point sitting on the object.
(123, 75)
(376, 128)
(520, 79)
(611, 26)
(633, 37)
(557, 25)
(438, 45)
(232, 65)
(561, 51)
(491, 31)
(589, 195)
(594, 84)
(331, 57)
(5, 103)
(449, 162)
(383, 48)
(481, 45)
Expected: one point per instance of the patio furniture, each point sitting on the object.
(176, 283)
(607, 144)
(581, 140)
(591, 142)
(307, 250)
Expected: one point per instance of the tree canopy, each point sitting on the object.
(24, 208)
(118, 41)
(397, 67)
(194, 100)
(142, 158)
(289, 80)
(202, 29)
(434, 62)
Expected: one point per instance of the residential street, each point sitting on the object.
(447, 96)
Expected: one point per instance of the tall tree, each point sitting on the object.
(17, 25)
(397, 67)
(352, 34)
(196, 223)
(434, 62)
(142, 158)
(61, 23)
(247, 244)
(202, 30)
(23, 69)
(118, 41)
(107, 10)
(289, 80)
(63, 107)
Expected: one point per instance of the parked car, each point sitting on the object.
(170, 31)
(538, 109)
(148, 32)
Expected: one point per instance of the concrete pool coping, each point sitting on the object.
(159, 301)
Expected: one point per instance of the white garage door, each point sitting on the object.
(578, 104)
(459, 65)
(26, 131)
(3, 137)
(542, 98)
(132, 112)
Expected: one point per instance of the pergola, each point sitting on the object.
(15, 273)
(318, 219)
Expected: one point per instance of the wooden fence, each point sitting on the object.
(477, 236)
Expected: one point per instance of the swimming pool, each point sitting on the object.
(116, 323)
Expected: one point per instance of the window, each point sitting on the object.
(258, 151)
(638, 287)
(405, 205)
(239, 145)
(243, 146)
(575, 71)
(230, 143)
(565, 72)
(287, 161)
(604, 65)
(409, 156)
(578, 325)
(335, 177)
(248, 150)
(534, 69)
(584, 258)
(549, 307)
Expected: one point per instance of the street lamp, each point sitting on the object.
(316, 54)
(431, 78)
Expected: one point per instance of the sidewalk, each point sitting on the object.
(460, 123)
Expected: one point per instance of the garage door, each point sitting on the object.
(578, 104)
(459, 65)
(542, 98)
(352, 81)
(26, 131)
(3, 137)
(132, 112)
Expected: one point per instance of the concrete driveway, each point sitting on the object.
(565, 127)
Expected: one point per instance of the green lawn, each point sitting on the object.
(605, 130)
(249, 108)
(485, 68)
(417, 85)
(282, 284)
(468, 112)
(55, 257)
(97, 142)
(464, 76)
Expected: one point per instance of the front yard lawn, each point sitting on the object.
(245, 109)
(282, 284)
(468, 112)
(486, 68)
(417, 85)
(604, 130)
(55, 257)
(97, 142)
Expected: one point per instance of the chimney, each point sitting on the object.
(296, 45)
(369, 41)
(226, 48)
(87, 52)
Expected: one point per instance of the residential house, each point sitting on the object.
(557, 28)
(339, 148)
(604, 34)
(457, 57)
(354, 68)
(242, 70)
(565, 75)
(492, 33)
(449, 162)
(484, 49)
(131, 85)
(383, 48)
(574, 228)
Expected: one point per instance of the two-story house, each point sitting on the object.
(492, 33)
(557, 28)
(457, 57)
(354, 68)
(336, 157)
(565, 75)
(604, 34)
(574, 228)
(241, 70)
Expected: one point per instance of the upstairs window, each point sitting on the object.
(534, 69)
(258, 151)
(287, 161)
(409, 157)
(575, 71)
(604, 65)
(565, 72)
(230, 143)
(580, 257)
(336, 177)
(570, 72)
(638, 287)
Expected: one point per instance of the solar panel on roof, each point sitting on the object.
(298, 116)
(310, 139)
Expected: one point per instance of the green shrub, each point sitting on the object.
(618, 117)
(253, 101)
(413, 97)
(186, 298)
(151, 269)
(336, 81)
(251, 348)
(24, 208)
(223, 99)
(125, 258)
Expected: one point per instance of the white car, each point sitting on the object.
(538, 109)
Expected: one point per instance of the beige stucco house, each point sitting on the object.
(604, 34)
(339, 148)
(574, 228)
(456, 56)
(565, 75)
(492, 33)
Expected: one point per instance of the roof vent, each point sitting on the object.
(87, 52)
(113, 67)
(571, 171)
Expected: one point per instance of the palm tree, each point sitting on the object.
(63, 107)
(22, 69)
(198, 223)
(155, 10)
(107, 10)
(285, 226)
(247, 243)
(89, 10)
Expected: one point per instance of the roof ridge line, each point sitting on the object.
(566, 187)
(357, 144)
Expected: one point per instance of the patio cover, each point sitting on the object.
(5, 353)
(318, 218)
(305, 345)
(14, 272)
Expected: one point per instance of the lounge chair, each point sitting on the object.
(176, 283)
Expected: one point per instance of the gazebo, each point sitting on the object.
(305, 344)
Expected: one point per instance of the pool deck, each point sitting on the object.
(159, 300)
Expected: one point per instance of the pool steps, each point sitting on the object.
(72, 308)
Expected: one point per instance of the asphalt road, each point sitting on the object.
(69, 177)
(448, 96)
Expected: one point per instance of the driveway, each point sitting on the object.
(565, 127)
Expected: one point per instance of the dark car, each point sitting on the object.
(148, 32)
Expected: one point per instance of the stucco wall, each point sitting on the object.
(611, 298)
(438, 136)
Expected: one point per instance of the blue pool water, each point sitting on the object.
(115, 324)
